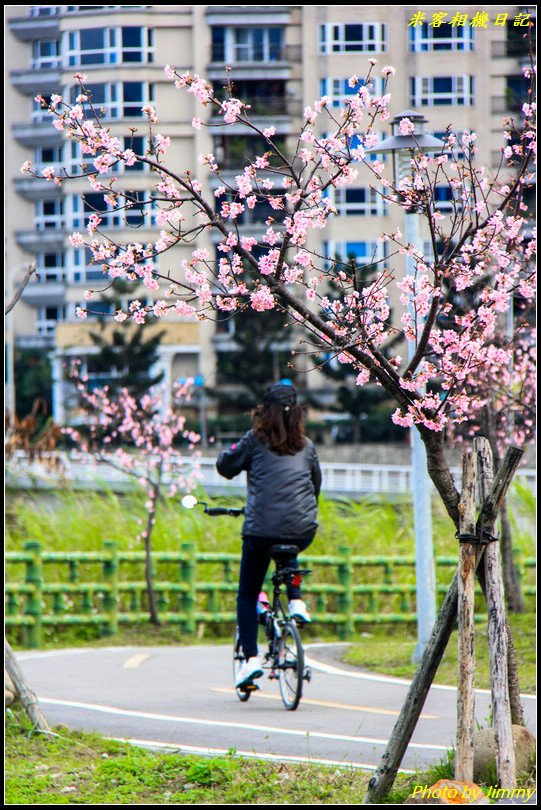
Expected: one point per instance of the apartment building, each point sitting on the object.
(282, 58)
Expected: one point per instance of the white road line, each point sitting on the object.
(226, 724)
(329, 669)
(191, 749)
(135, 661)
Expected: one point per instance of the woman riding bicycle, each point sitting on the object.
(284, 480)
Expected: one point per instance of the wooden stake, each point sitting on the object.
(383, 779)
(497, 637)
(24, 693)
(466, 628)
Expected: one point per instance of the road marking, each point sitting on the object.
(224, 724)
(369, 676)
(135, 661)
(330, 704)
(174, 748)
(365, 676)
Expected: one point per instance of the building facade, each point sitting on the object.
(282, 58)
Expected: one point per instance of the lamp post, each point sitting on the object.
(402, 148)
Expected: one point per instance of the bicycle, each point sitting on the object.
(285, 655)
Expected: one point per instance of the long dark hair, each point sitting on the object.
(282, 430)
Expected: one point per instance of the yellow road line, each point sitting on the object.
(135, 660)
(329, 704)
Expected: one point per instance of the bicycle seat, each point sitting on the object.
(280, 552)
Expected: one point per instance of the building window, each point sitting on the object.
(241, 45)
(45, 54)
(234, 151)
(432, 91)
(81, 209)
(48, 317)
(49, 214)
(47, 156)
(49, 267)
(352, 38)
(43, 11)
(444, 199)
(109, 46)
(339, 90)
(456, 153)
(138, 145)
(357, 202)
(140, 209)
(118, 99)
(81, 266)
(39, 113)
(79, 9)
(363, 253)
(95, 309)
(445, 37)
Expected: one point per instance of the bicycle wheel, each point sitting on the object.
(291, 666)
(238, 659)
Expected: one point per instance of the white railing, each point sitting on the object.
(345, 479)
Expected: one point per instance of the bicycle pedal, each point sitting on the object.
(273, 676)
(251, 687)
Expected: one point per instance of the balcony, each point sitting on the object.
(37, 80)
(48, 293)
(30, 29)
(507, 105)
(269, 106)
(34, 241)
(37, 188)
(276, 68)
(510, 49)
(39, 133)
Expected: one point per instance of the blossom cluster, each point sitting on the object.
(481, 242)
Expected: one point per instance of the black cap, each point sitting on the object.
(282, 394)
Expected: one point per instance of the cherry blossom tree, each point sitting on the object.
(481, 242)
(131, 436)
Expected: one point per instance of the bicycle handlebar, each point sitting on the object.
(189, 501)
(223, 510)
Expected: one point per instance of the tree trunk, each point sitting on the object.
(24, 693)
(466, 628)
(152, 606)
(511, 579)
(513, 593)
(497, 632)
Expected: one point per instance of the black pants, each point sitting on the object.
(253, 569)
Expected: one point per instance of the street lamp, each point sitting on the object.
(402, 148)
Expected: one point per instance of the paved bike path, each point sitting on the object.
(182, 698)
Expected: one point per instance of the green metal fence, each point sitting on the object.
(60, 589)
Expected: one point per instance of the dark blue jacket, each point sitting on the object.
(282, 490)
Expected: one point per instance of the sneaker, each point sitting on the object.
(248, 672)
(298, 610)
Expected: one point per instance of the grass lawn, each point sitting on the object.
(391, 653)
(84, 768)
(74, 767)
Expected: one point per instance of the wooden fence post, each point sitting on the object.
(34, 577)
(497, 636)
(110, 599)
(345, 577)
(466, 627)
(188, 567)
